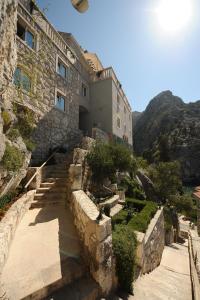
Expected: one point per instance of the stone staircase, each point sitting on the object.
(114, 203)
(45, 256)
(171, 280)
(53, 189)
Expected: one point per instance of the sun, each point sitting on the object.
(174, 15)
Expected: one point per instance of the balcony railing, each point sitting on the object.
(109, 73)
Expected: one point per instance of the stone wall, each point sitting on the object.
(151, 244)
(8, 225)
(54, 127)
(8, 18)
(96, 239)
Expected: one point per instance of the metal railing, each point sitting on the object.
(38, 170)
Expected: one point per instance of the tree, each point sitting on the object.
(166, 179)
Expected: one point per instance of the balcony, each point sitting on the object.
(109, 73)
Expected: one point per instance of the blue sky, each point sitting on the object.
(126, 35)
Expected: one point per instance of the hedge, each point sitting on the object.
(124, 247)
(139, 221)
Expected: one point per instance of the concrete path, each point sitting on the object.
(170, 281)
(42, 253)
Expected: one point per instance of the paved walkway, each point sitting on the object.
(170, 281)
(41, 253)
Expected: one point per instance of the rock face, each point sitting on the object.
(170, 128)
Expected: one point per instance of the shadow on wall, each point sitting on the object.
(55, 129)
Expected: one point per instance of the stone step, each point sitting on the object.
(115, 209)
(46, 203)
(84, 288)
(111, 201)
(51, 189)
(55, 180)
(50, 196)
(58, 174)
(53, 184)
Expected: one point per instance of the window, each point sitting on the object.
(62, 69)
(124, 109)
(60, 102)
(118, 103)
(118, 123)
(25, 35)
(124, 128)
(84, 90)
(22, 80)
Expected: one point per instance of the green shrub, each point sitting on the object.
(4, 200)
(124, 247)
(100, 162)
(106, 159)
(170, 218)
(6, 120)
(29, 144)
(13, 134)
(13, 158)
(142, 213)
(141, 220)
(133, 189)
(120, 218)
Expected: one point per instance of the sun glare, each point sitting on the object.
(174, 15)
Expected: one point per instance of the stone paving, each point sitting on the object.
(44, 240)
(170, 281)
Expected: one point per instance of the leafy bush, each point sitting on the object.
(166, 179)
(106, 159)
(6, 120)
(4, 200)
(12, 158)
(25, 124)
(139, 221)
(133, 188)
(124, 247)
(170, 218)
(13, 134)
(29, 144)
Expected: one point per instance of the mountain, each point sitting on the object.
(169, 129)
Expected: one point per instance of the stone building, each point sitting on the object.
(67, 94)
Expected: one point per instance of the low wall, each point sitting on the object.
(10, 222)
(96, 239)
(193, 270)
(8, 226)
(151, 244)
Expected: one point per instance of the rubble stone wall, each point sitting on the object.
(151, 244)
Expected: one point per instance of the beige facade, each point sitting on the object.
(110, 108)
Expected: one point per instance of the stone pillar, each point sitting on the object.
(75, 177)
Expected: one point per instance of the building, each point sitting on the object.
(66, 88)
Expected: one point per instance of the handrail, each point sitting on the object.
(193, 272)
(28, 183)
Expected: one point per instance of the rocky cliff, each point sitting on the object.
(169, 129)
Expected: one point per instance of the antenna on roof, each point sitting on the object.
(80, 5)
